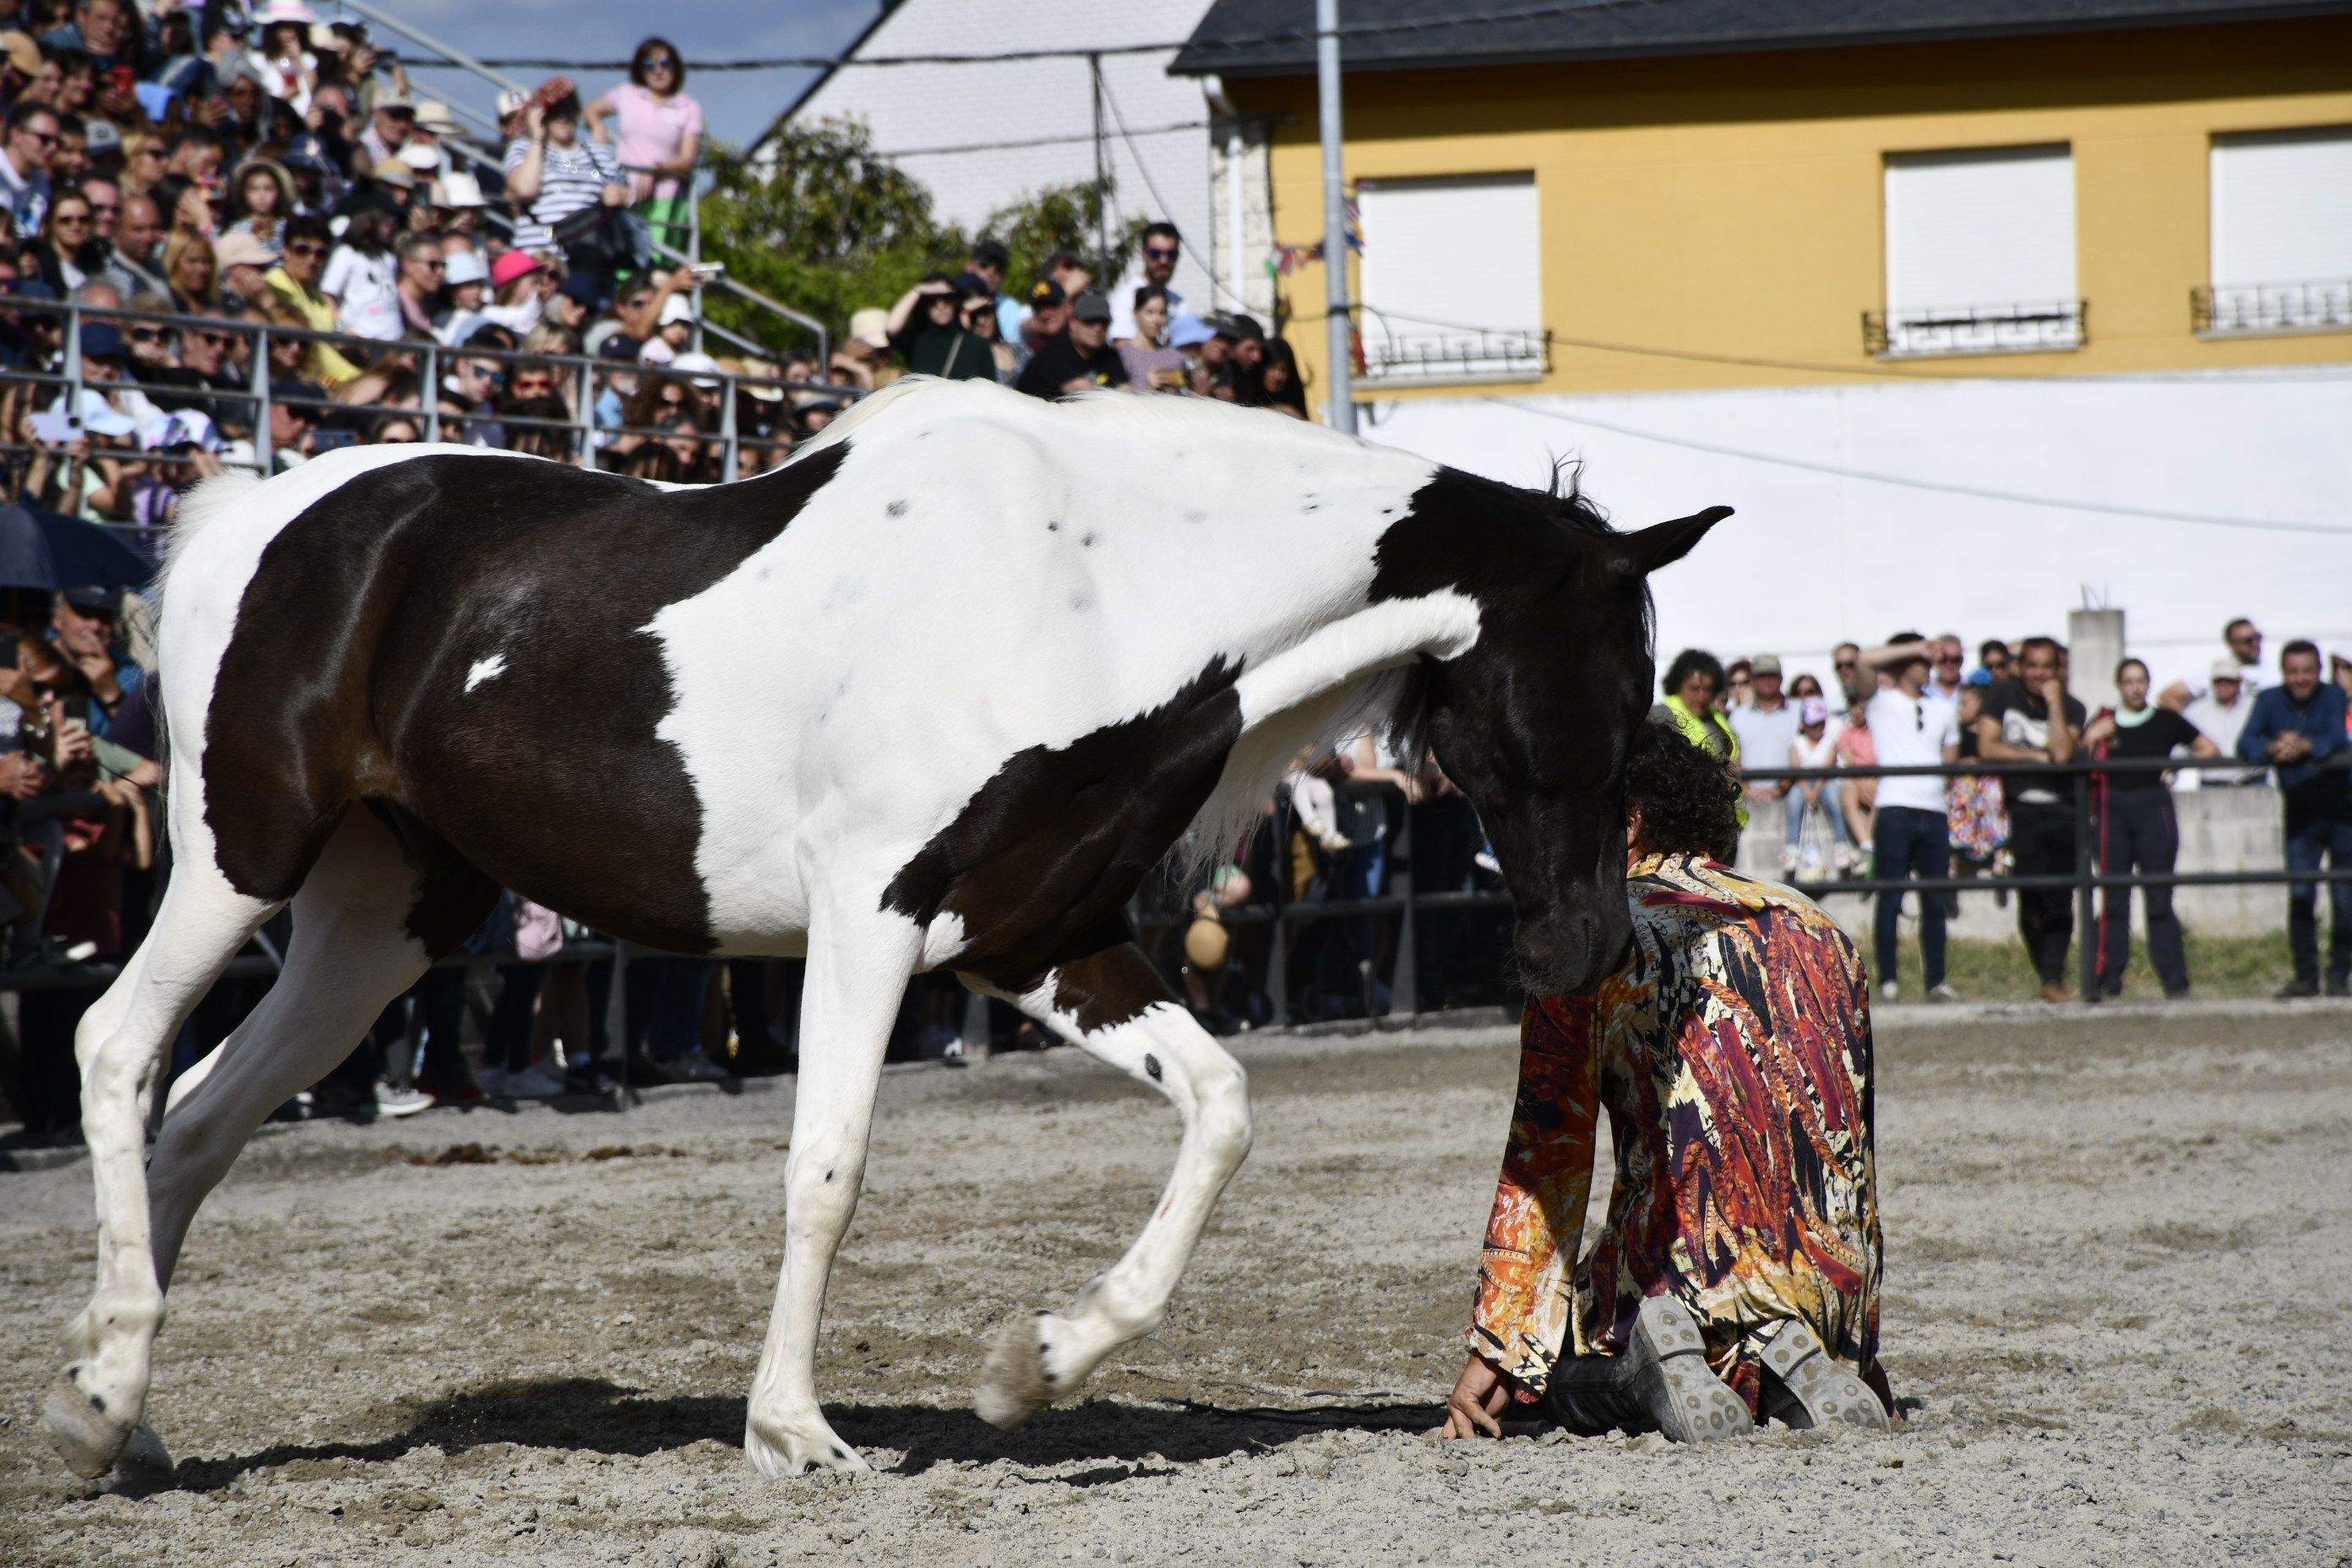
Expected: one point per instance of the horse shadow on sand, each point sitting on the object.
(594, 1415)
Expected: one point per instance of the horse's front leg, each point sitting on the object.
(1114, 1005)
(859, 958)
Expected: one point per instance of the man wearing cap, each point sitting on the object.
(1765, 724)
(389, 128)
(245, 259)
(1159, 247)
(1049, 313)
(82, 625)
(2220, 713)
(1080, 358)
(574, 304)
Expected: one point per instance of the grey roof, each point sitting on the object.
(1275, 38)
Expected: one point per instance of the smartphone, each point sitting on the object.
(57, 429)
(78, 708)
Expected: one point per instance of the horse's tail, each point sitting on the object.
(203, 504)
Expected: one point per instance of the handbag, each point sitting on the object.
(604, 239)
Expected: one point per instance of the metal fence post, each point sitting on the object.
(73, 365)
(265, 457)
(1277, 945)
(585, 410)
(1402, 981)
(729, 447)
(430, 399)
(2086, 932)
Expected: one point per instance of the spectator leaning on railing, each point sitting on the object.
(1912, 726)
(2298, 727)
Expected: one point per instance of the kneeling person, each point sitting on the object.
(1736, 1275)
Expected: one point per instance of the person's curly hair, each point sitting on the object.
(1687, 662)
(1688, 798)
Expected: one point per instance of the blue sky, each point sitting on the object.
(738, 105)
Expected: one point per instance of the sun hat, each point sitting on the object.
(514, 264)
(421, 156)
(2227, 669)
(277, 11)
(871, 326)
(458, 189)
(243, 247)
(677, 308)
(394, 173)
(435, 115)
(699, 367)
(463, 266)
(1189, 331)
(22, 52)
(1766, 664)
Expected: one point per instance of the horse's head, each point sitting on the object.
(1533, 723)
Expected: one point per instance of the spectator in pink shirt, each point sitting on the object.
(660, 136)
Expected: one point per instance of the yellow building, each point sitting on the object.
(1569, 211)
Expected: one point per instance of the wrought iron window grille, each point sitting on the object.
(2038, 326)
(2251, 310)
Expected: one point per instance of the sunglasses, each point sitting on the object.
(534, 384)
(1846, 663)
(78, 220)
(104, 209)
(1160, 252)
(40, 137)
(433, 264)
(661, 63)
(149, 335)
(214, 340)
(305, 247)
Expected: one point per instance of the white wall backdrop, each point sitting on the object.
(1813, 557)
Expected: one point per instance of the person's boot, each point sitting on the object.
(1662, 1383)
(1805, 1386)
(2298, 989)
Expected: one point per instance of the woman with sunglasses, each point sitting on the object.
(660, 136)
(926, 330)
(67, 251)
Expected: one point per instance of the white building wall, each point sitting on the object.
(1814, 557)
(1164, 173)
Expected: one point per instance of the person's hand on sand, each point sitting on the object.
(1476, 1405)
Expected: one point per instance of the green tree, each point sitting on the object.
(826, 226)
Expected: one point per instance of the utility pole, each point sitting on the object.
(1335, 217)
(1107, 266)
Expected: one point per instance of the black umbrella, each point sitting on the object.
(25, 559)
(87, 555)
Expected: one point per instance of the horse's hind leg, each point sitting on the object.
(93, 1407)
(1113, 1004)
(353, 950)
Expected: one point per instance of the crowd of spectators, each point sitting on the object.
(1915, 701)
(209, 185)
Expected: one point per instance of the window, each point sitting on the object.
(1979, 253)
(2282, 233)
(1453, 285)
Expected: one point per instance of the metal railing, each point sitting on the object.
(1438, 356)
(2252, 309)
(2086, 877)
(1927, 330)
(584, 378)
(690, 255)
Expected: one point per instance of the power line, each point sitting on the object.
(1904, 482)
(941, 151)
(1262, 40)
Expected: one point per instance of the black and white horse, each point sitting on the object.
(937, 693)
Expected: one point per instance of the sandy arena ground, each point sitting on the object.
(2116, 1308)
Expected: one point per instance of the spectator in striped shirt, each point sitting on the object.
(554, 170)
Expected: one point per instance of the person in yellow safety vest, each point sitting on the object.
(1692, 684)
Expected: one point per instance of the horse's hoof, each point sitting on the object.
(784, 1451)
(1016, 1382)
(86, 1438)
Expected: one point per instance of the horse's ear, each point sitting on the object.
(1667, 542)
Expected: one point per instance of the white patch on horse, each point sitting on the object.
(483, 670)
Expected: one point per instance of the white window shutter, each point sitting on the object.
(2282, 216)
(1980, 251)
(1452, 279)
